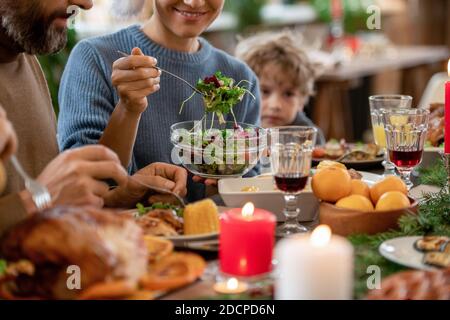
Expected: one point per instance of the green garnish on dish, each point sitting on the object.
(3, 266)
(142, 210)
(220, 95)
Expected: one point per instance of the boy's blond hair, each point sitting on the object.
(280, 48)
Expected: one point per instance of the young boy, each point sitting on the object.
(286, 78)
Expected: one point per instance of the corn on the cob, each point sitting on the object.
(201, 217)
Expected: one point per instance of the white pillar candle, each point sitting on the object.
(316, 266)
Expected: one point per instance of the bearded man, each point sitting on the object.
(76, 177)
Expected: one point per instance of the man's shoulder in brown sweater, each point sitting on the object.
(25, 96)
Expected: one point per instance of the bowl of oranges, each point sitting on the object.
(350, 206)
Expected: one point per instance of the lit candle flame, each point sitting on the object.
(232, 284)
(448, 67)
(248, 210)
(321, 236)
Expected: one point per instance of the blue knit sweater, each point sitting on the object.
(87, 97)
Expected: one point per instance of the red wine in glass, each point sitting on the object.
(291, 184)
(405, 159)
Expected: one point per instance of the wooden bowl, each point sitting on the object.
(345, 222)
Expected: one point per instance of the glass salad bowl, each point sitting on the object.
(217, 150)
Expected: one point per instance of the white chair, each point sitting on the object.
(435, 90)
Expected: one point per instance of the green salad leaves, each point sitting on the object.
(142, 210)
(220, 95)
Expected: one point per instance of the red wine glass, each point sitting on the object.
(377, 104)
(291, 153)
(406, 131)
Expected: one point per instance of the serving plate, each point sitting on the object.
(184, 241)
(401, 251)
(267, 197)
(197, 237)
(362, 164)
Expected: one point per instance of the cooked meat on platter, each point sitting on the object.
(435, 135)
(109, 249)
(155, 226)
(168, 217)
(437, 259)
(344, 151)
(431, 243)
(166, 220)
(414, 285)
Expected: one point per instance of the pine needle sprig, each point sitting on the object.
(434, 175)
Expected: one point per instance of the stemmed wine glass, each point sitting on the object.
(377, 104)
(291, 153)
(406, 131)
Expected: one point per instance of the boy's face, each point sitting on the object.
(188, 18)
(281, 100)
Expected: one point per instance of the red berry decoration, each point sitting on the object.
(212, 80)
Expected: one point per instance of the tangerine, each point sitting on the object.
(331, 184)
(391, 183)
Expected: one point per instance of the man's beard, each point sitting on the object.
(30, 29)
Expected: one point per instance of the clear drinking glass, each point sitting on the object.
(377, 105)
(406, 131)
(291, 154)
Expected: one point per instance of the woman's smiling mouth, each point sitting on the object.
(190, 15)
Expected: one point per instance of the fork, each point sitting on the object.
(40, 194)
(161, 190)
(169, 73)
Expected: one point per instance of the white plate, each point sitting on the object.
(356, 164)
(370, 178)
(419, 191)
(401, 251)
(433, 149)
(197, 237)
(267, 197)
(181, 239)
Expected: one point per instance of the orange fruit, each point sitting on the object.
(328, 163)
(391, 183)
(361, 188)
(331, 184)
(355, 202)
(392, 200)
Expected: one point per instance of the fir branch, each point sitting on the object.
(435, 175)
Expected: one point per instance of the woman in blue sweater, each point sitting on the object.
(126, 104)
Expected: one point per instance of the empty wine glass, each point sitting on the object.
(377, 105)
(291, 155)
(406, 131)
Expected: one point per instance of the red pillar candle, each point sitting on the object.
(447, 114)
(247, 239)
